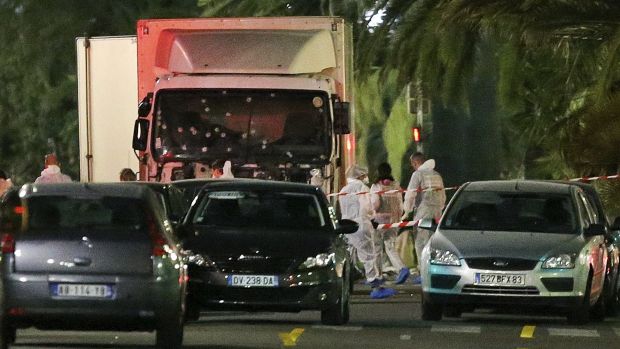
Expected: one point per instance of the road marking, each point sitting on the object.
(337, 328)
(528, 331)
(455, 329)
(572, 332)
(617, 331)
(405, 337)
(289, 339)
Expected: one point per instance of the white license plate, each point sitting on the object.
(82, 290)
(252, 280)
(500, 279)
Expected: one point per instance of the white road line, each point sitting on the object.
(455, 329)
(337, 328)
(572, 332)
(405, 337)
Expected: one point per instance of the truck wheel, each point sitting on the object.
(338, 314)
(169, 333)
(431, 311)
(580, 314)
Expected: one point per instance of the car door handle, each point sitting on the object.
(81, 261)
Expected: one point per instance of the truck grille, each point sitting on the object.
(500, 290)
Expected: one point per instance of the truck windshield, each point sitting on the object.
(248, 125)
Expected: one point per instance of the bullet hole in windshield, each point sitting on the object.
(204, 149)
(223, 135)
(180, 130)
(208, 135)
(248, 99)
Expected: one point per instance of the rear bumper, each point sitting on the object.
(137, 304)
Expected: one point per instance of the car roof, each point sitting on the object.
(182, 183)
(125, 190)
(527, 186)
(260, 184)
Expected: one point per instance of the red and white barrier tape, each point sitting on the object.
(382, 192)
(589, 179)
(402, 224)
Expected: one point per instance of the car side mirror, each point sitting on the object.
(594, 230)
(616, 225)
(427, 224)
(140, 134)
(144, 108)
(342, 118)
(347, 226)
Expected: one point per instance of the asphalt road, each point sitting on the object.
(392, 323)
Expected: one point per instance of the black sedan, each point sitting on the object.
(262, 245)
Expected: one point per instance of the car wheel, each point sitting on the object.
(580, 314)
(7, 334)
(453, 311)
(169, 333)
(338, 314)
(431, 311)
(192, 309)
(597, 312)
(614, 299)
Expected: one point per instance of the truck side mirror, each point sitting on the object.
(144, 108)
(342, 118)
(140, 134)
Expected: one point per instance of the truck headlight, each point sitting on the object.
(320, 260)
(560, 261)
(444, 257)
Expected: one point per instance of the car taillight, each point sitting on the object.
(7, 243)
(157, 239)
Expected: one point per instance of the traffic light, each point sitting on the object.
(416, 134)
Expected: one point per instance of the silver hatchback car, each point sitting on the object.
(90, 257)
(515, 243)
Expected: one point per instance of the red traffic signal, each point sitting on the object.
(416, 134)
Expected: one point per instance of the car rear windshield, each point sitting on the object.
(526, 212)
(259, 209)
(49, 212)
